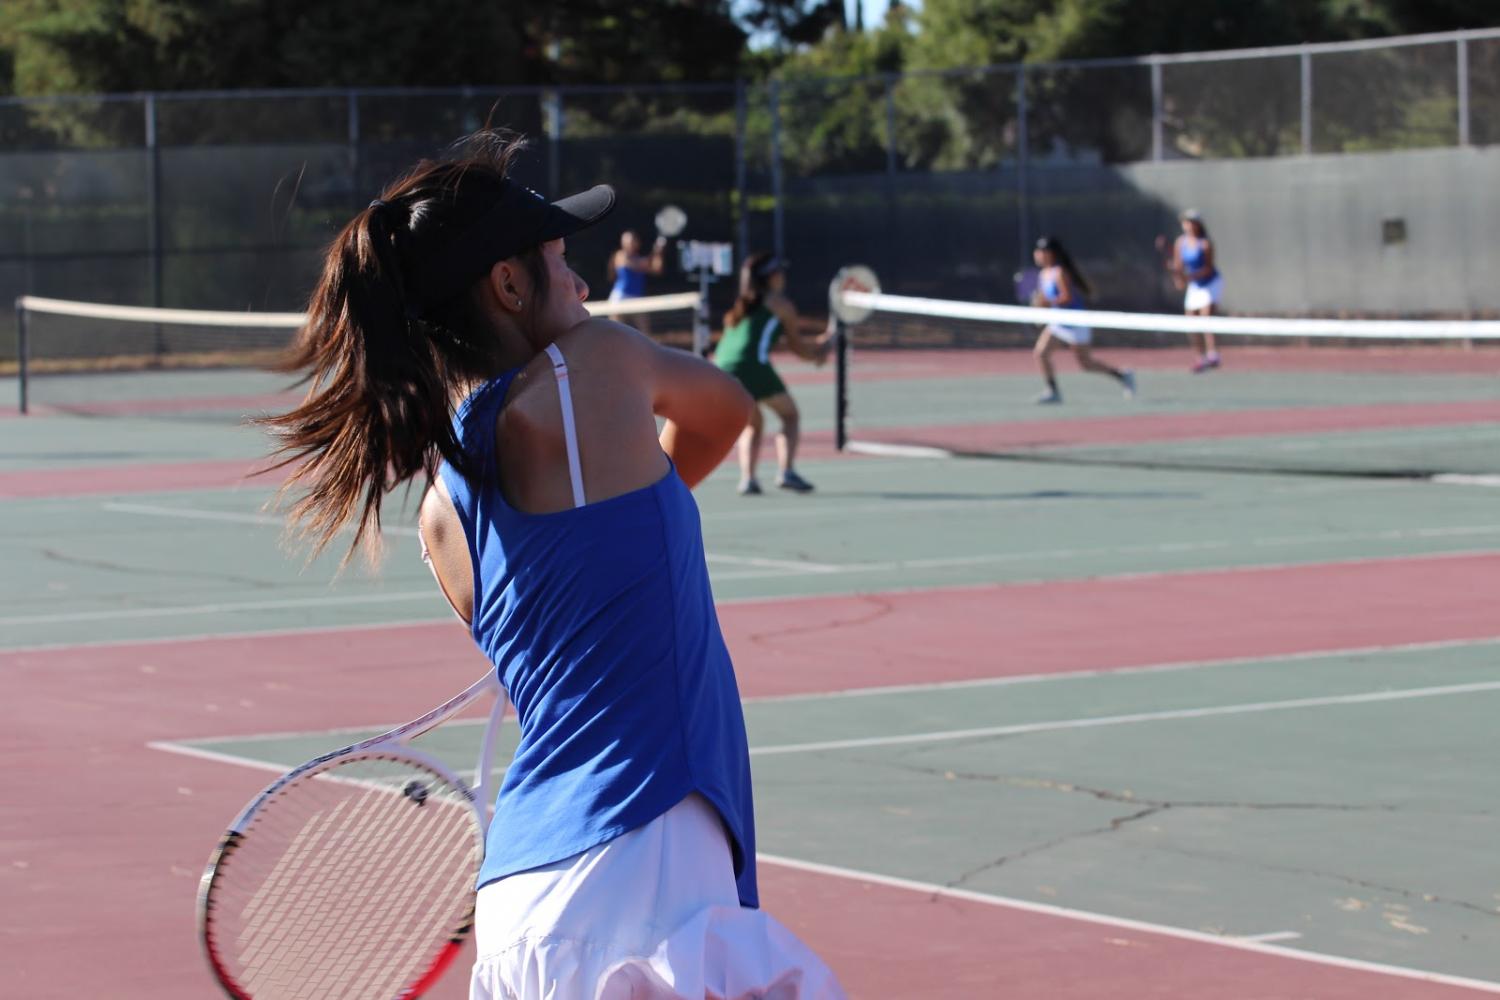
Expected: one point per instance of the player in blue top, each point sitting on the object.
(1061, 286)
(628, 269)
(448, 340)
(1194, 265)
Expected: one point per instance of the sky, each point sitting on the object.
(874, 15)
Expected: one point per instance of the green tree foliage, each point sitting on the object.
(94, 46)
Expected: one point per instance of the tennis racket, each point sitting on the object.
(351, 877)
(1167, 251)
(670, 222)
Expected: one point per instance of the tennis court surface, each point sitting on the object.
(1211, 716)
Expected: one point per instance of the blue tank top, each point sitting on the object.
(1193, 259)
(1053, 291)
(629, 283)
(601, 623)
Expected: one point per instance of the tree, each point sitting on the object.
(98, 46)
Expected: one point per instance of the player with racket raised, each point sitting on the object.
(448, 340)
(761, 316)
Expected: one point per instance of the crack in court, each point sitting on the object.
(53, 555)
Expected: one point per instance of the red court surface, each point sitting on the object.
(88, 804)
(253, 403)
(1143, 428)
(972, 950)
(878, 364)
(157, 477)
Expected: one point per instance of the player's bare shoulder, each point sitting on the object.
(599, 341)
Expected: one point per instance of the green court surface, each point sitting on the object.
(1293, 798)
(120, 562)
(1191, 745)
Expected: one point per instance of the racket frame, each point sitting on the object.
(392, 744)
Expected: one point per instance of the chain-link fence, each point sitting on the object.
(1349, 177)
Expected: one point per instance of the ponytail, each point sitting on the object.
(753, 286)
(1075, 276)
(381, 372)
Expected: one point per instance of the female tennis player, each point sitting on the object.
(761, 316)
(1061, 286)
(447, 339)
(1193, 259)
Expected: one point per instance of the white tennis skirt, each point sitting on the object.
(651, 915)
(1205, 295)
(1074, 335)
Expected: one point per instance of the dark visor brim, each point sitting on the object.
(568, 215)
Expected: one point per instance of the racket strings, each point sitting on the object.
(348, 883)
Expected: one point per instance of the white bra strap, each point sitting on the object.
(570, 429)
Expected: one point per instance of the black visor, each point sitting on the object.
(519, 220)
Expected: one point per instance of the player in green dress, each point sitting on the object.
(761, 316)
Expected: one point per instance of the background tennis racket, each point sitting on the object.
(1166, 249)
(670, 222)
(351, 877)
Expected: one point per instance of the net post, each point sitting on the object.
(1158, 117)
(1305, 72)
(1463, 92)
(700, 317)
(23, 352)
(841, 384)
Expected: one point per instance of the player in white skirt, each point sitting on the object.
(1061, 286)
(1193, 263)
(450, 342)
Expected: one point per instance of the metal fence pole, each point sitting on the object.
(741, 196)
(353, 158)
(890, 126)
(154, 221)
(554, 141)
(778, 240)
(1307, 86)
(1463, 91)
(1157, 138)
(1023, 152)
(841, 385)
(23, 351)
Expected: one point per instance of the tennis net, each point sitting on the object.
(99, 359)
(1392, 399)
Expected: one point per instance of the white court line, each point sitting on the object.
(901, 689)
(354, 600)
(197, 514)
(1247, 708)
(1455, 479)
(186, 744)
(174, 611)
(1124, 923)
(794, 566)
(1272, 936)
(1150, 668)
(1259, 943)
(182, 750)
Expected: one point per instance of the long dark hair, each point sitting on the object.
(381, 367)
(1197, 221)
(1065, 261)
(755, 281)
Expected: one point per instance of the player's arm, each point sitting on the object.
(1208, 260)
(446, 549)
(705, 409)
(810, 349)
(1064, 288)
(653, 263)
(1173, 264)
